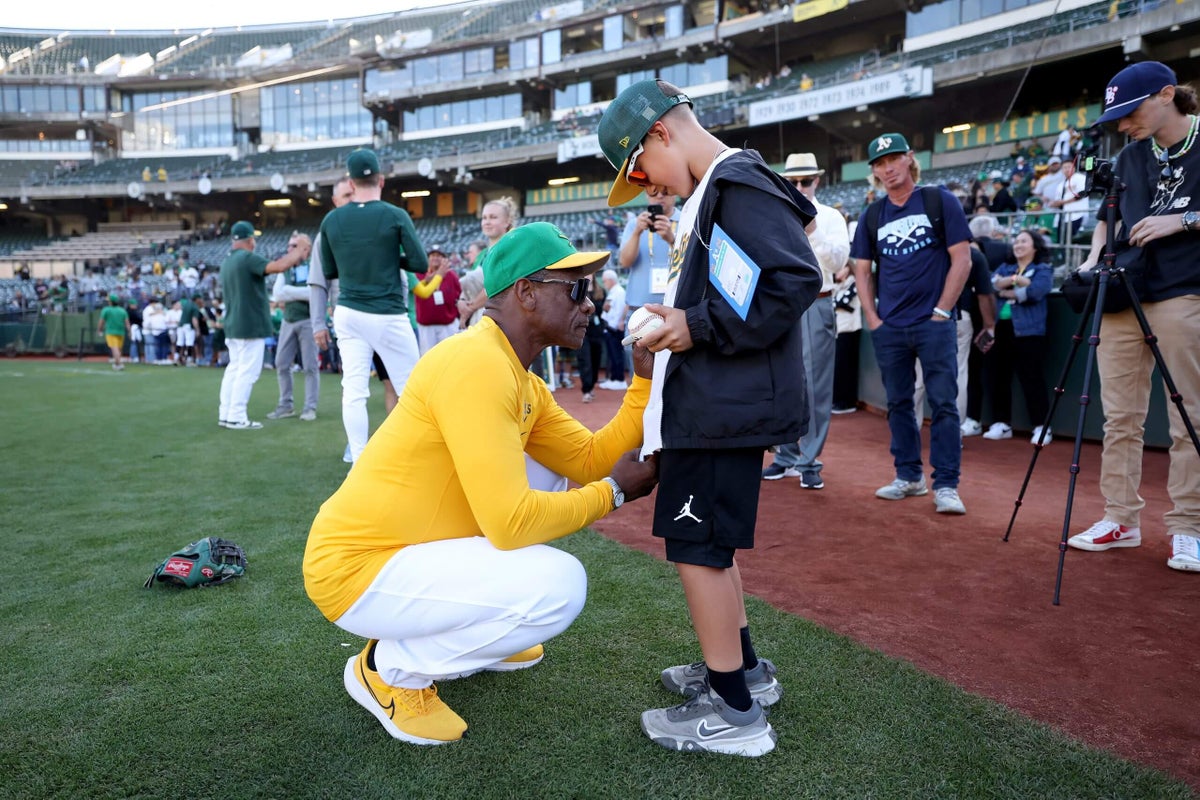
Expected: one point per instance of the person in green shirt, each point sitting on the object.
(247, 321)
(365, 244)
(114, 324)
(186, 334)
(59, 294)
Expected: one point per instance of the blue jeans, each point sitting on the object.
(896, 352)
(616, 355)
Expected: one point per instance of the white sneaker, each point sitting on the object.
(244, 425)
(970, 427)
(1104, 535)
(1037, 433)
(900, 489)
(1185, 553)
(999, 430)
(947, 501)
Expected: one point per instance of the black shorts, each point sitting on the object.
(380, 369)
(707, 504)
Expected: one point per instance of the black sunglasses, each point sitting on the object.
(580, 289)
(1164, 159)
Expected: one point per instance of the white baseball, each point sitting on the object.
(640, 323)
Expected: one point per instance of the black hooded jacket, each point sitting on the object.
(742, 383)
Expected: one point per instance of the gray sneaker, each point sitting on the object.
(900, 489)
(692, 679)
(308, 415)
(947, 501)
(282, 413)
(705, 723)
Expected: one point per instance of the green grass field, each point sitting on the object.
(112, 690)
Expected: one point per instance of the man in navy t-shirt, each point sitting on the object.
(922, 267)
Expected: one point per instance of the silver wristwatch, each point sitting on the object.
(618, 495)
(1191, 220)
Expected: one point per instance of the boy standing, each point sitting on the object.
(114, 324)
(728, 383)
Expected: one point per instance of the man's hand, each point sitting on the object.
(643, 361)
(636, 478)
(321, 337)
(1148, 229)
(672, 335)
(662, 226)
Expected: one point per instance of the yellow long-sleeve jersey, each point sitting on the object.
(448, 463)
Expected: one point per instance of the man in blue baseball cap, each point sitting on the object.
(1159, 219)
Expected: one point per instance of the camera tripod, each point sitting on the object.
(1106, 272)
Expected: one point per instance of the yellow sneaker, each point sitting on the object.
(413, 715)
(522, 660)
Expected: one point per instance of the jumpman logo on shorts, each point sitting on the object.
(686, 511)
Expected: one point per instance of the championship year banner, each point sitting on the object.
(911, 82)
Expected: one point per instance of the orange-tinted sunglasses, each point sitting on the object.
(636, 176)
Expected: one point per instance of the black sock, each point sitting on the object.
(371, 657)
(749, 659)
(732, 688)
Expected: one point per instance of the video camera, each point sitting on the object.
(1098, 173)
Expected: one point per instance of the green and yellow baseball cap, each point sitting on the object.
(625, 123)
(531, 248)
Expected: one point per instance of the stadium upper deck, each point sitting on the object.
(488, 98)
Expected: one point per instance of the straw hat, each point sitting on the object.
(801, 165)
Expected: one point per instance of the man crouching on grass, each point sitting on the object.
(434, 547)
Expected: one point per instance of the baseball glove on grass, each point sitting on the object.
(208, 562)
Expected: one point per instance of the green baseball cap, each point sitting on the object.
(625, 123)
(114, 298)
(362, 163)
(242, 230)
(529, 249)
(886, 144)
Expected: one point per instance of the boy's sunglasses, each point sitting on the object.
(580, 289)
(1164, 160)
(634, 175)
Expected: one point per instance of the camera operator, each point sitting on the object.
(646, 249)
(1158, 212)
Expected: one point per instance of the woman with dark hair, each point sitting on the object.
(1021, 288)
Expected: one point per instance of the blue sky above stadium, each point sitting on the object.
(92, 16)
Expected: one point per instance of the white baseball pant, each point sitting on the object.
(359, 335)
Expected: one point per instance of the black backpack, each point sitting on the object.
(932, 195)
